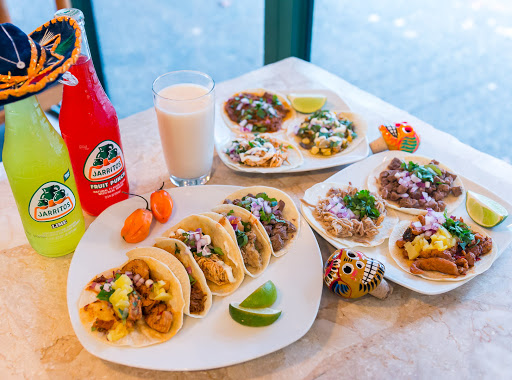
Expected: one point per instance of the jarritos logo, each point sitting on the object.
(51, 201)
(104, 162)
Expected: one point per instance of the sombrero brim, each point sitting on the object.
(60, 39)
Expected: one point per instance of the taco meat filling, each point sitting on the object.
(350, 212)
(246, 240)
(443, 244)
(418, 186)
(129, 295)
(254, 113)
(197, 298)
(270, 213)
(208, 257)
(325, 133)
(260, 151)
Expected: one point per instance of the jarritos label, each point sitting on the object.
(106, 161)
(51, 201)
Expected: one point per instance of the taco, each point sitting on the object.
(138, 304)
(413, 184)
(177, 256)
(276, 212)
(249, 235)
(327, 133)
(214, 251)
(257, 111)
(438, 247)
(262, 151)
(351, 216)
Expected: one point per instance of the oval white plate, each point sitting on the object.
(217, 340)
(223, 135)
(357, 174)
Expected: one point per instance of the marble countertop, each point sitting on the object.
(465, 333)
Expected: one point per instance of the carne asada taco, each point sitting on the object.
(276, 212)
(327, 133)
(348, 215)
(214, 251)
(263, 152)
(440, 247)
(248, 233)
(413, 184)
(138, 304)
(257, 110)
(176, 255)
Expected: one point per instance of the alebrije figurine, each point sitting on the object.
(350, 274)
(400, 136)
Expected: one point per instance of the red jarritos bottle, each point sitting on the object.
(90, 128)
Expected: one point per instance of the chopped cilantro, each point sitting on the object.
(265, 197)
(104, 295)
(459, 229)
(247, 226)
(123, 313)
(425, 173)
(241, 238)
(176, 248)
(93, 328)
(191, 279)
(362, 204)
(218, 251)
(231, 212)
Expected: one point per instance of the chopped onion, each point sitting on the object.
(189, 270)
(136, 277)
(417, 224)
(415, 179)
(239, 107)
(404, 195)
(243, 123)
(149, 282)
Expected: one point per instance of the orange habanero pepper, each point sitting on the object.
(136, 226)
(161, 205)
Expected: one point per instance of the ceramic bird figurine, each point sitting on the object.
(350, 274)
(400, 136)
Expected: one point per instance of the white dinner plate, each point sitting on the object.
(358, 173)
(216, 340)
(224, 135)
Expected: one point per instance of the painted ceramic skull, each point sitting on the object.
(351, 274)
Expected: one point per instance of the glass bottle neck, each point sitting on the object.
(84, 51)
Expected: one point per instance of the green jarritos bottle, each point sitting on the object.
(39, 171)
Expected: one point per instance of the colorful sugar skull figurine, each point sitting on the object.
(400, 136)
(350, 274)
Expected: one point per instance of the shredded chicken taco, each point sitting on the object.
(276, 212)
(413, 184)
(138, 304)
(257, 111)
(249, 235)
(351, 216)
(262, 151)
(177, 256)
(441, 247)
(213, 250)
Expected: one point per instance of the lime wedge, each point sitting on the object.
(264, 296)
(253, 317)
(307, 103)
(484, 211)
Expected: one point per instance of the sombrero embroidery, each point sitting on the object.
(33, 63)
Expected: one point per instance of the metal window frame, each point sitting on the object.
(288, 29)
(92, 37)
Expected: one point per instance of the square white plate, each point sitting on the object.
(224, 135)
(358, 174)
(216, 340)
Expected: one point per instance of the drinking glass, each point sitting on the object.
(184, 103)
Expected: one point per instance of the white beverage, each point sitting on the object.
(185, 114)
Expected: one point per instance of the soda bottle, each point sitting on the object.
(89, 126)
(39, 171)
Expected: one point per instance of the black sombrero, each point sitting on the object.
(33, 63)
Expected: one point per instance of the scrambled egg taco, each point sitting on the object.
(138, 304)
(177, 256)
(276, 212)
(249, 235)
(214, 251)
